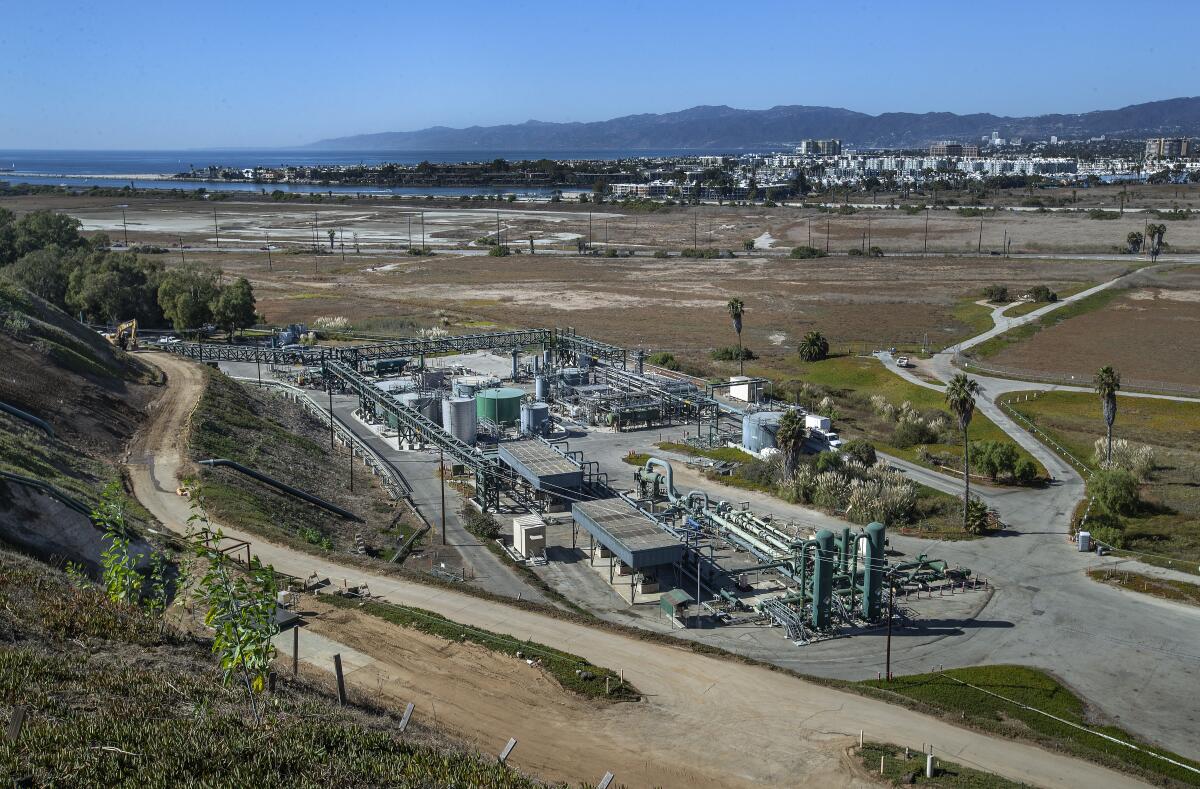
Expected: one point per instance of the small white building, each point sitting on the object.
(745, 388)
(529, 535)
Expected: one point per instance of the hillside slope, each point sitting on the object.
(729, 128)
(112, 698)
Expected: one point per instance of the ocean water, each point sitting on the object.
(120, 168)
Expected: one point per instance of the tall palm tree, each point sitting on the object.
(1108, 381)
(960, 396)
(814, 347)
(789, 438)
(736, 311)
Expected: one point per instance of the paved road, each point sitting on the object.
(691, 699)
(1127, 654)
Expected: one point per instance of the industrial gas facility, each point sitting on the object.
(514, 416)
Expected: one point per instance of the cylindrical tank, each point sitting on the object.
(431, 407)
(822, 582)
(874, 563)
(501, 405)
(535, 419)
(458, 418)
(758, 430)
(539, 388)
(468, 385)
(546, 358)
(433, 379)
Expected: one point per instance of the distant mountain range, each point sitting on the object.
(728, 129)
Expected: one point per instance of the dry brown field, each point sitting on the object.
(1150, 332)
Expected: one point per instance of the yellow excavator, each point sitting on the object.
(125, 336)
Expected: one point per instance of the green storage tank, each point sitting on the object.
(501, 405)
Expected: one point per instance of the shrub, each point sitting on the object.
(660, 253)
(854, 252)
(1025, 471)
(805, 253)
(909, 434)
(664, 359)
(1137, 459)
(1042, 293)
(1116, 490)
(1099, 213)
(481, 524)
(875, 252)
(827, 461)
(732, 353)
(994, 457)
(996, 293)
(861, 450)
(499, 251)
(977, 516)
(1109, 535)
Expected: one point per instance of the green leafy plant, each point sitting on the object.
(122, 581)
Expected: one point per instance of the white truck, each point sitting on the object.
(820, 430)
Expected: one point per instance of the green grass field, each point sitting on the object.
(1167, 527)
(940, 694)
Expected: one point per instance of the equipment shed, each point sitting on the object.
(631, 536)
(543, 466)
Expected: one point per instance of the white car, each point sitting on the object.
(170, 339)
(902, 361)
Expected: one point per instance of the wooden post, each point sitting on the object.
(15, 722)
(341, 680)
(408, 711)
(295, 650)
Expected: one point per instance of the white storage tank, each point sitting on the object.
(535, 419)
(758, 430)
(458, 418)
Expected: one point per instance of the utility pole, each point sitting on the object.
(329, 388)
(350, 451)
(409, 233)
(182, 257)
(442, 477)
(869, 225)
(1004, 244)
(216, 227)
(696, 229)
(891, 601)
(269, 266)
(826, 236)
(979, 246)
(926, 249)
(342, 243)
(422, 232)
(124, 225)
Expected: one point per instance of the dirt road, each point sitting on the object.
(706, 721)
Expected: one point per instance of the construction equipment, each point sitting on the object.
(125, 335)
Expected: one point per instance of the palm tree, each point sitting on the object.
(1108, 381)
(736, 311)
(789, 438)
(814, 347)
(960, 396)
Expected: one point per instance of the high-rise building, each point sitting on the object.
(821, 147)
(1168, 148)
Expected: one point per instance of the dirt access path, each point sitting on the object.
(705, 721)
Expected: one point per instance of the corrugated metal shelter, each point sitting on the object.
(632, 537)
(544, 467)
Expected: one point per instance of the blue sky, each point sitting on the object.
(169, 75)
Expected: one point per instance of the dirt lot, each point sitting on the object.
(380, 225)
(1150, 333)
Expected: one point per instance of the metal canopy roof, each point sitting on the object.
(544, 467)
(631, 536)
